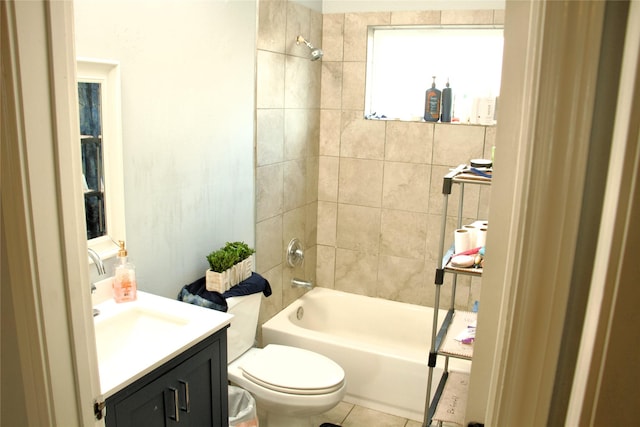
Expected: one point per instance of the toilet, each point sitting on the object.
(289, 384)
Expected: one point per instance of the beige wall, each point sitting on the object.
(288, 123)
(363, 195)
(379, 185)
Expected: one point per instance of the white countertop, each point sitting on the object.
(134, 338)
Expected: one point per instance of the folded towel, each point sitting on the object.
(196, 292)
(252, 285)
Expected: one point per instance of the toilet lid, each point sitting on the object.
(293, 370)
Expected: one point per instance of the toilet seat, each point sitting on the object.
(293, 370)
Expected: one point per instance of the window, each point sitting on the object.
(402, 61)
(101, 147)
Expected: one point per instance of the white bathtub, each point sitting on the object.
(382, 345)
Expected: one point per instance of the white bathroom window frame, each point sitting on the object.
(107, 73)
(399, 38)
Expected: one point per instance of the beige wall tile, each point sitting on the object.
(355, 33)
(302, 82)
(409, 142)
(471, 195)
(422, 17)
(329, 139)
(402, 279)
(270, 77)
(466, 17)
(315, 29)
(356, 272)
(483, 205)
(313, 168)
(296, 133)
(311, 224)
(293, 226)
(498, 16)
(326, 266)
(327, 223)
(332, 36)
(361, 138)
(457, 144)
(269, 251)
(269, 136)
(406, 186)
(360, 182)
(489, 141)
(331, 90)
(295, 189)
(313, 131)
(403, 234)
(298, 23)
(353, 85)
(328, 179)
(269, 195)
(358, 228)
(271, 25)
(273, 304)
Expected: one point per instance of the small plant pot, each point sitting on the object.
(221, 282)
(218, 282)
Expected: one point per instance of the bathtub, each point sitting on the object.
(383, 346)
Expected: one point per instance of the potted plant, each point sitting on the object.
(229, 266)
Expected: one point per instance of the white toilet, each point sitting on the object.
(290, 384)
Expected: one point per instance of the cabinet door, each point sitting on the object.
(154, 405)
(191, 390)
(202, 389)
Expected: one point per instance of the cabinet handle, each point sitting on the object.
(187, 401)
(176, 414)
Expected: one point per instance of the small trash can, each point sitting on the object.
(242, 408)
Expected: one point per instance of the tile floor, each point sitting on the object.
(350, 415)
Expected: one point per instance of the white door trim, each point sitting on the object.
(43, 216)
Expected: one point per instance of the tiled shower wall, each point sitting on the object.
(287, 129)
(363, 195)
(380, 182)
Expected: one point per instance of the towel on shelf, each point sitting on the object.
(196, 293)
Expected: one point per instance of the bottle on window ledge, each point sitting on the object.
(432, 103)
(446, 104)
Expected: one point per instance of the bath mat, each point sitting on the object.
(453, 401)
(460, 321)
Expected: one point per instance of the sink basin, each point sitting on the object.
(133, 338)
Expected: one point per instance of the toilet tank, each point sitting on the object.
(241, 335)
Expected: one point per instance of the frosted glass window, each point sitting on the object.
(402, 61)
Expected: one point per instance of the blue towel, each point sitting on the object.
(196, 293)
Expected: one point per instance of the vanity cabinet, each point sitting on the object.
(189, 390)
(449, 400)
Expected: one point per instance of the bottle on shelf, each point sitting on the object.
(432, 103)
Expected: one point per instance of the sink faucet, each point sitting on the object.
(97, 261)
(101, 271)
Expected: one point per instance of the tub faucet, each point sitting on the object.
(300, 283)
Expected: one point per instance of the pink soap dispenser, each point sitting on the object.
(124, 282)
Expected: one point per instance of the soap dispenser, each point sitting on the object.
(124, 282)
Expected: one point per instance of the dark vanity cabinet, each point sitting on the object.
(189, 390)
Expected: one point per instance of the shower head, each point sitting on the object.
(316, 53)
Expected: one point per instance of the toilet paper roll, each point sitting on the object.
(461, 240)
(473, 235)
(481, 237)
